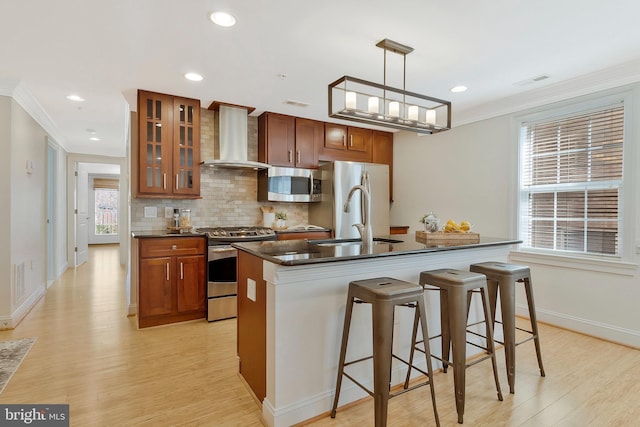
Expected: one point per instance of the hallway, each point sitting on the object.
(90, 355)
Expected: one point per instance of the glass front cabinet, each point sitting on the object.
(169, 146)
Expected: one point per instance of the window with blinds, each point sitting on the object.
(571, 182)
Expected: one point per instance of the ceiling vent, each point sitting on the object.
(532, 80)
(296, 103)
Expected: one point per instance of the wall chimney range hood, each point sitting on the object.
(232, 132)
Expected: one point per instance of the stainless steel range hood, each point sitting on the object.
(233, 140)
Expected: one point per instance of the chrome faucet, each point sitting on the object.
(365, 228)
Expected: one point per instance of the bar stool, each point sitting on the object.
(384, 294)
(502, 276)
(456, 288)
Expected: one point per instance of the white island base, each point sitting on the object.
(304, 320)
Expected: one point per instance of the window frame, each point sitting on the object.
(628, 188)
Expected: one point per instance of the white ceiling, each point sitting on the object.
(104, 51)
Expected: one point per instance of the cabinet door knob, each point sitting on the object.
(177, 181)
(164, 181)
(167, 272)
(298, 161)
(344, 140)
(181, 271)
(290, 156)
(174, 247)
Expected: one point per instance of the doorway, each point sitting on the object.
(95, 220)
(104, 203)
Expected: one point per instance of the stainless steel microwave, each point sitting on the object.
(281, 184)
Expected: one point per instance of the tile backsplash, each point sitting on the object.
(229, 196)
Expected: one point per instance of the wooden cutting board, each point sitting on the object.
(442, 238)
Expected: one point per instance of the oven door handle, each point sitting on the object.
(219, 253)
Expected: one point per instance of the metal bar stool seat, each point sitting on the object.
(503, 277)
(456, 288)
(384, 294)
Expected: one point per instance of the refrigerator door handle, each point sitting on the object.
(366, 183)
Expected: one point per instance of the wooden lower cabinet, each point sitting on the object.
(155, 290)
(399, 229)
(171, 280)
(252, 325)
(191, 270)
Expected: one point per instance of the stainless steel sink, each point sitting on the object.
(348, 242)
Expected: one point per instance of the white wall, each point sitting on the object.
(27, 204)
(23, 196)
(470, 173)
(5, 195)
(455, 174)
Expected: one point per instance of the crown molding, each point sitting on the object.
(7, 87)
(608, 78)
(23, 96)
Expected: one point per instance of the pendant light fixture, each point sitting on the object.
(362, 101)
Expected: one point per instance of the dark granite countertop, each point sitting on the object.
(300, 229)
(154, 234)
(301, 252)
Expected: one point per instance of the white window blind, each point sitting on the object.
(571, 182)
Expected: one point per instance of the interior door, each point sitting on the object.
(82, 215)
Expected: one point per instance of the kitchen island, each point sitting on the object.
(291, 304)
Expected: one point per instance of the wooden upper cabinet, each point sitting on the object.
(297, 142)
(335, 136)
(346, 143)
(359, 139)
(276, 139)
(168, 146)
(186, 147)
(289, 141)
(382, 152)
(155, 140)
(309, 138)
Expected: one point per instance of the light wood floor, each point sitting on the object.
(90, 355)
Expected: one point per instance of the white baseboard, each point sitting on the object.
(132, 309)
(10, 322)
(604, 331)
(306, 409)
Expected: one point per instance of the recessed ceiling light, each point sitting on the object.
(93, 138)
(75, 98)
(223, 19)
(194, 77)
(91, 131)
(457, 89)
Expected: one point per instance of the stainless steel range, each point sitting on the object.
(222, 289)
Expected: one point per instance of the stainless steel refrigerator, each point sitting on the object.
(337, 179)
